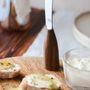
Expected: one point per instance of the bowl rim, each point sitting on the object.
(80, 15)
(81, 37)
(64, 59)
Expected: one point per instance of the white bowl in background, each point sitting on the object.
(82, 29)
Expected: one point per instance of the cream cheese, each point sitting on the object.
(43, 81)
(7, 66)
(12, 69)
(80, 63)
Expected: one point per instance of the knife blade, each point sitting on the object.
(48, 14)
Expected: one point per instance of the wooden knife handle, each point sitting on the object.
(51, 52)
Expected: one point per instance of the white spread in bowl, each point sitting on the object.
(80, 63)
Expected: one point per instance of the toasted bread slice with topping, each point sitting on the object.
(40, 82)
(9, 69)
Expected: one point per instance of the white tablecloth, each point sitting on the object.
(63, 26)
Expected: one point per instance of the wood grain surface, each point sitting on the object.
(30, 65)
(16, 43)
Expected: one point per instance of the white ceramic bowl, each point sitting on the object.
(82, 29)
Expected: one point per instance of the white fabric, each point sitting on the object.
(4, 10)
(65, 13)
(22, 21)
(22, 7)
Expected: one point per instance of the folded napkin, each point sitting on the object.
(4, 9)
(22, 8)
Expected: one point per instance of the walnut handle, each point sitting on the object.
(51, 52)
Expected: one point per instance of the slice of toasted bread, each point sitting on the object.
(40, 82)
(9, 69)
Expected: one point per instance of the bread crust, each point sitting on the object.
(5, 75)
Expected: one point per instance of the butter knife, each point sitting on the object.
(51, 54)
(48, 13)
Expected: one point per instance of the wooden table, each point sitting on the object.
(30, 65)
(16, 43)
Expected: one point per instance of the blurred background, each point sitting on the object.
(71, 5)
(30, 42)
(65, 13)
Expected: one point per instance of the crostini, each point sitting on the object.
(9, 69)
(40, 82)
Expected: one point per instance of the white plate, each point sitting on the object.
(82, 29)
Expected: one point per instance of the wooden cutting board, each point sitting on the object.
(16, 43)
(30, 65)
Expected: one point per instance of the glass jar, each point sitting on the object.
(77, 69)
(15, 14)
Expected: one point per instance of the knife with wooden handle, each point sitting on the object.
(51, 47)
